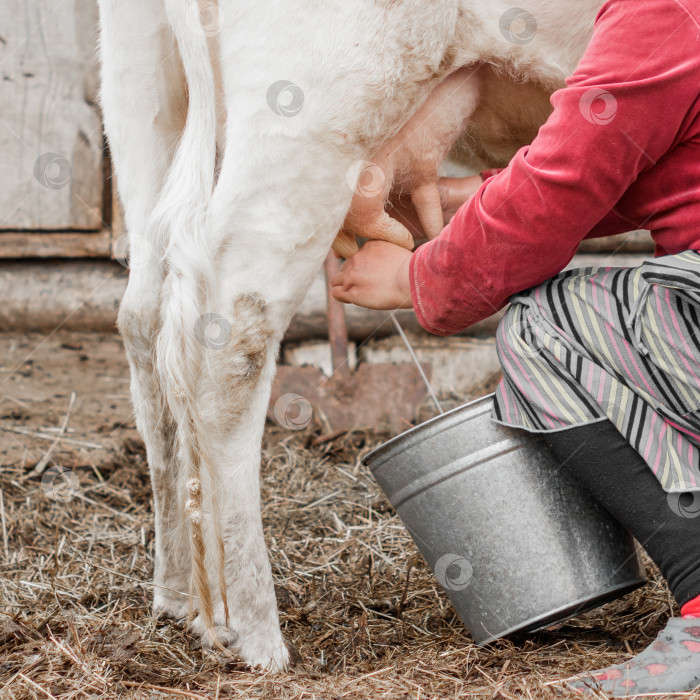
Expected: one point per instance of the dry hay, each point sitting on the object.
(362, 613)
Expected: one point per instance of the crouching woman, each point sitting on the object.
(604, 363)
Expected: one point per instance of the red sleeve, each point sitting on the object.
(609, 225)
(621, 110)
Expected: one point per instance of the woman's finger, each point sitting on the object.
(455, 191)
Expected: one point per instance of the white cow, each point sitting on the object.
(235, 131)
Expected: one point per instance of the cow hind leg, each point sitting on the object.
(294, 136)
(143, 110)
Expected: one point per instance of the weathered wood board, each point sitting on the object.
(84, 295)
(69, 244)
(50, 132)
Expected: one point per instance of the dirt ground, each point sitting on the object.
(362, 613)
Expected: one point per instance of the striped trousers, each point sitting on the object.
(621, 344)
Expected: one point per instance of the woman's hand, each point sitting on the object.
(454, 192)
(377, 277)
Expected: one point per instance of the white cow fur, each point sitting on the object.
(246, 246)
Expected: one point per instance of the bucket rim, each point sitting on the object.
(370, 459)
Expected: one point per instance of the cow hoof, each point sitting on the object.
(224, 636)
(257, 650)
(168, 605)
(270, 656)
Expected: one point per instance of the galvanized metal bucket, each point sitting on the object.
(516, 543)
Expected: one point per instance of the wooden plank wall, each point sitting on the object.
(50, 132)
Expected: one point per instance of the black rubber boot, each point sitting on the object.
(668, 527)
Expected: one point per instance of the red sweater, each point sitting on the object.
(620, 151)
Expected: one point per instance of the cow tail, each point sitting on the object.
(181, 216)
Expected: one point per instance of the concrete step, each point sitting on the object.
(459, 366)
